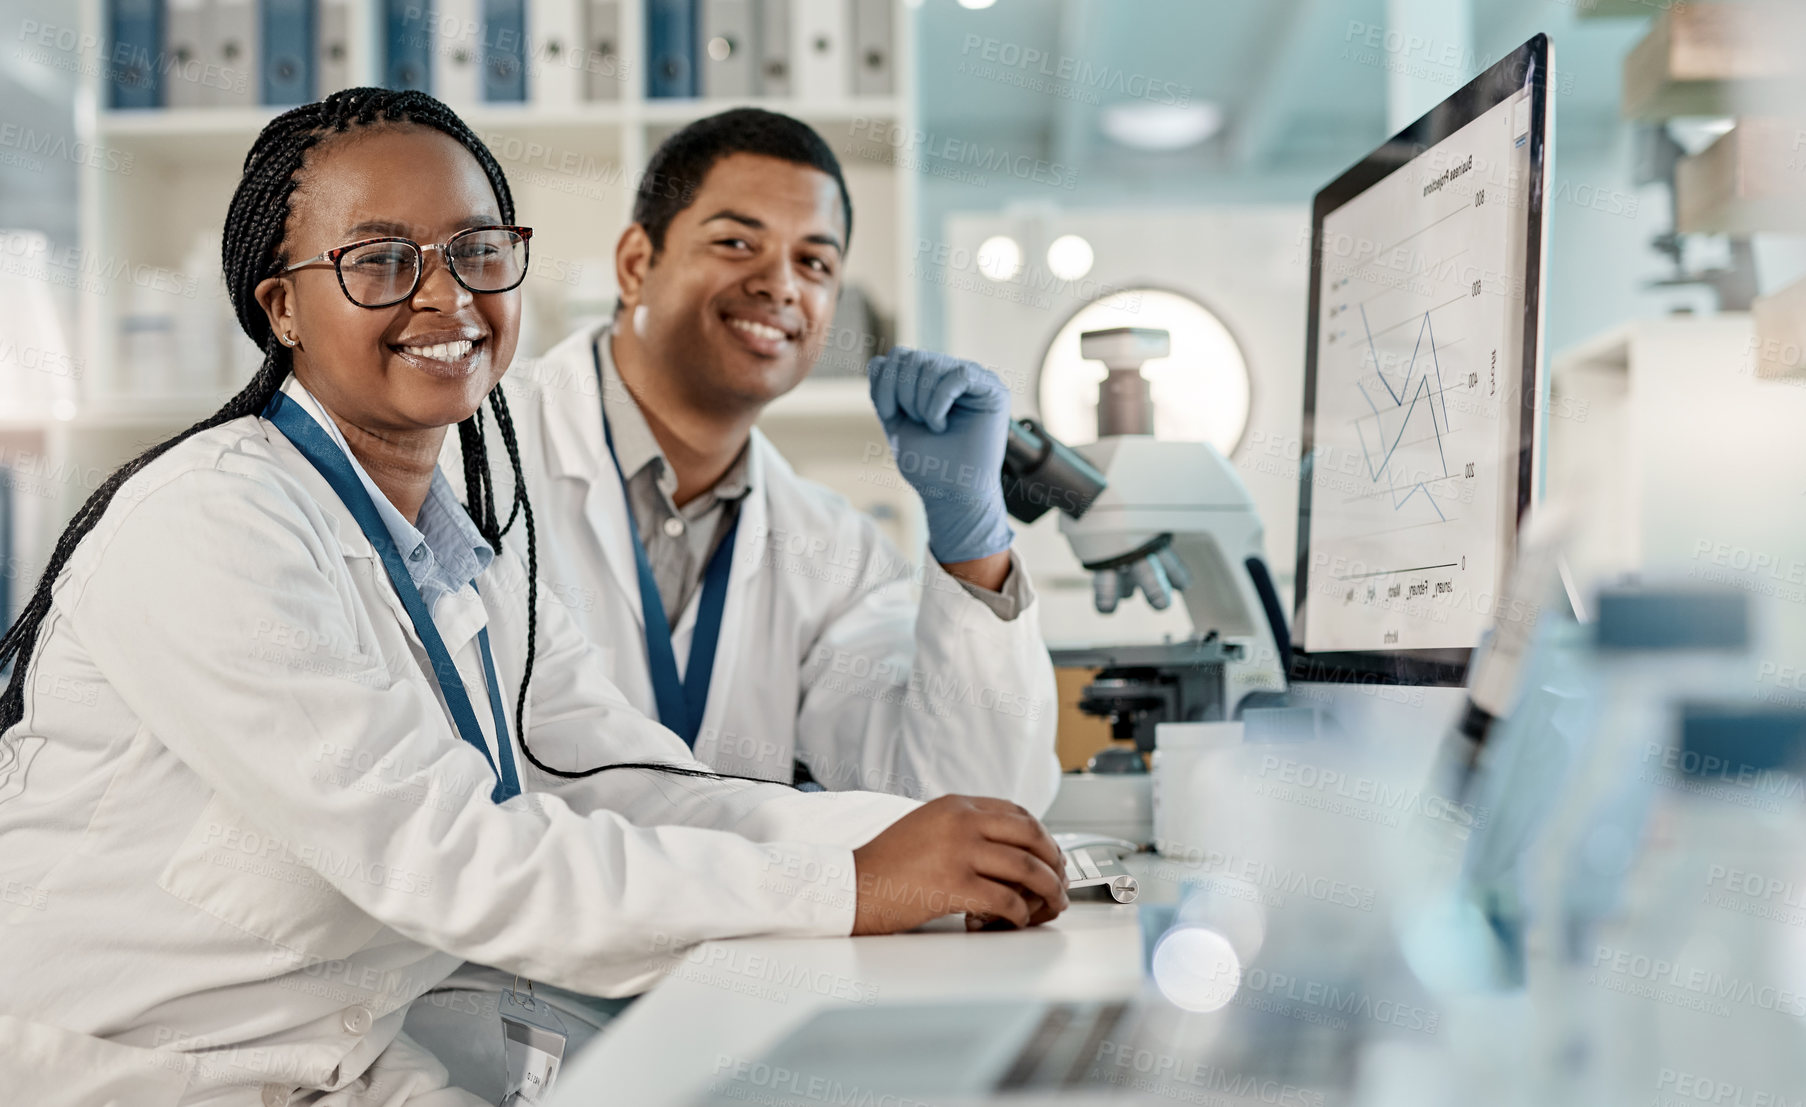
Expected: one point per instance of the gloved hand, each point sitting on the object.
(947, 421)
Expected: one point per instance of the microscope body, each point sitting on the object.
(1182, 507)
(1155, 517)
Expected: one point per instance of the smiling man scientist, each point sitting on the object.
(758, 614)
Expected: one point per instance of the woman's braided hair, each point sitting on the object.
(252, 251)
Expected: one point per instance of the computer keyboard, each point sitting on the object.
(1094, 866)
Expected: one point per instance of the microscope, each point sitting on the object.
(1157, 518)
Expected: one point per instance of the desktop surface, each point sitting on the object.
(728, 1003)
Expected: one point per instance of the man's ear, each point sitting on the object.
(276, 296)
(633, 258)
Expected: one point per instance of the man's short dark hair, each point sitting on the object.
(674, 175)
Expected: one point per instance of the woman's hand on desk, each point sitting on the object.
(987, 858)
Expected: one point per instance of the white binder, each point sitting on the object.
(729, 54)
(234, 47)
(605, 71)
(773, 17)
(872, 60)
(332, 60)
(186, 44)
(555, 52)
(456, 32)
(820, 33)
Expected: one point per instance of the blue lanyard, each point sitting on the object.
(681, 703)
(319, 448)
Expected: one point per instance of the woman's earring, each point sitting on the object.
(288, 340)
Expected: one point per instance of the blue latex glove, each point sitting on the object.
(947, 421)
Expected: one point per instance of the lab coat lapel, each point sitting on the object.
(749, 546)
(578, 451)
(359, 554)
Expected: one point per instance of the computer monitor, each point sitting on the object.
(1423, 382)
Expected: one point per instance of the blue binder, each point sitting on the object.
(132, 67)
(505, 50)
(289, 37)
(670, 48)
(408, 44)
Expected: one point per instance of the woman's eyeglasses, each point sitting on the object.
(378, 272)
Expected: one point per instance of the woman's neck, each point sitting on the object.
(400, 463)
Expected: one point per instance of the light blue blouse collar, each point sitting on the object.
(446, 551)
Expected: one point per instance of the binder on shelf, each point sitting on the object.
(773, 17)
(132, 66)
(555, 52)
(185, 49)
(819, 35)
(670, 49)
(455, 35)
(332, 57)
(407, 47)
(503, 55)
(234, 50)
(604, 68)
(288, 51)
(872, 54)
(728, 56)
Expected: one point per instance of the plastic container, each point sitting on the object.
(1184, 754)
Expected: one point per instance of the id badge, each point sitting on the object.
(533, 1038)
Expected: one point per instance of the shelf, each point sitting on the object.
(666, 112)
(148, 132)
(1702, 59)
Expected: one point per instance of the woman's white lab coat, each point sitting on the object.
(238, 834)
(824, 653)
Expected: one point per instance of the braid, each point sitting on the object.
(504, 425)
(479, 493)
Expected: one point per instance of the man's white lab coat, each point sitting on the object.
(825, 655)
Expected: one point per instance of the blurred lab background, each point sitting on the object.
(1024, 171)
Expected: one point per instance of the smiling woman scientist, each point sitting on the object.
(285, 741)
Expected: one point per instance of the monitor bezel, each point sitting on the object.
(1525, 67)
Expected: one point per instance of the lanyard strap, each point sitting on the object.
(319, 448)
(681, 703)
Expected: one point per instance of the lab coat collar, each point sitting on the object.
(568, 389)
(459, 619)
(455, 552)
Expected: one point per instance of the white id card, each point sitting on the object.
(533, 1038)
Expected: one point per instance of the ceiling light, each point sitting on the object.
(1141, 125)
(1069, 257)
(999, 257)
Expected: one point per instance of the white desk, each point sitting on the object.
(736, 999)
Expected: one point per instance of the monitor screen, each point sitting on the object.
(1422, 382)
